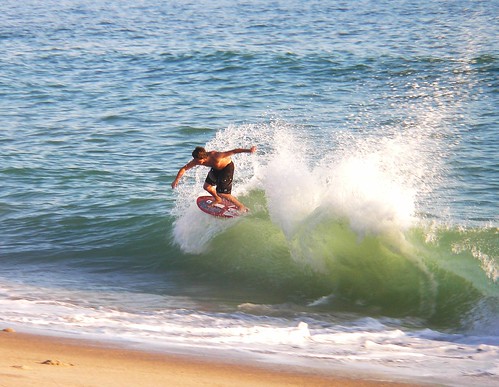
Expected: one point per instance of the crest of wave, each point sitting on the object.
(374, 182)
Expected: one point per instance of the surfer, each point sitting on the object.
(220, 175)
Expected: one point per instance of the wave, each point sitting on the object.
(346, 231)
(439, 274)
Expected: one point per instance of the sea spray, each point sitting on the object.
(291, 189)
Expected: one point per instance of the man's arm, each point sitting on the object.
(238, 150)
(182, 170)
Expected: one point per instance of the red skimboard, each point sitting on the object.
(225, 209)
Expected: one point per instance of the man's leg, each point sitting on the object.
(240, 206)
(213, 192)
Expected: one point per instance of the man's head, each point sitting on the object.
(199, 153)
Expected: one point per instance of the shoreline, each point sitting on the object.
(28, 359)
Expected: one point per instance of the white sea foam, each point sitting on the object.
(362, 344)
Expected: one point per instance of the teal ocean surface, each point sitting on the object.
(372, 243)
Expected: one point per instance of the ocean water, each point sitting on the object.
(372, 243)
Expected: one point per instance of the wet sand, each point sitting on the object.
(43, 361)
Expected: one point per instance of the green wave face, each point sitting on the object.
(436, 274)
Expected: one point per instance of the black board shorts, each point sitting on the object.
(222, 178)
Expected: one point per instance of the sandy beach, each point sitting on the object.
(43, 361)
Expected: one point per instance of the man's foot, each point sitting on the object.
(215, 202)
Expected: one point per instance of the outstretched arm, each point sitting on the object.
(182, 170)
(239, 150)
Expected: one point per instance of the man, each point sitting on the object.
(220, 175)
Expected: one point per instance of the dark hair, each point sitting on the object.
(199, 153)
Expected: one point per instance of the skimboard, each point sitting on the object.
(225, 209)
